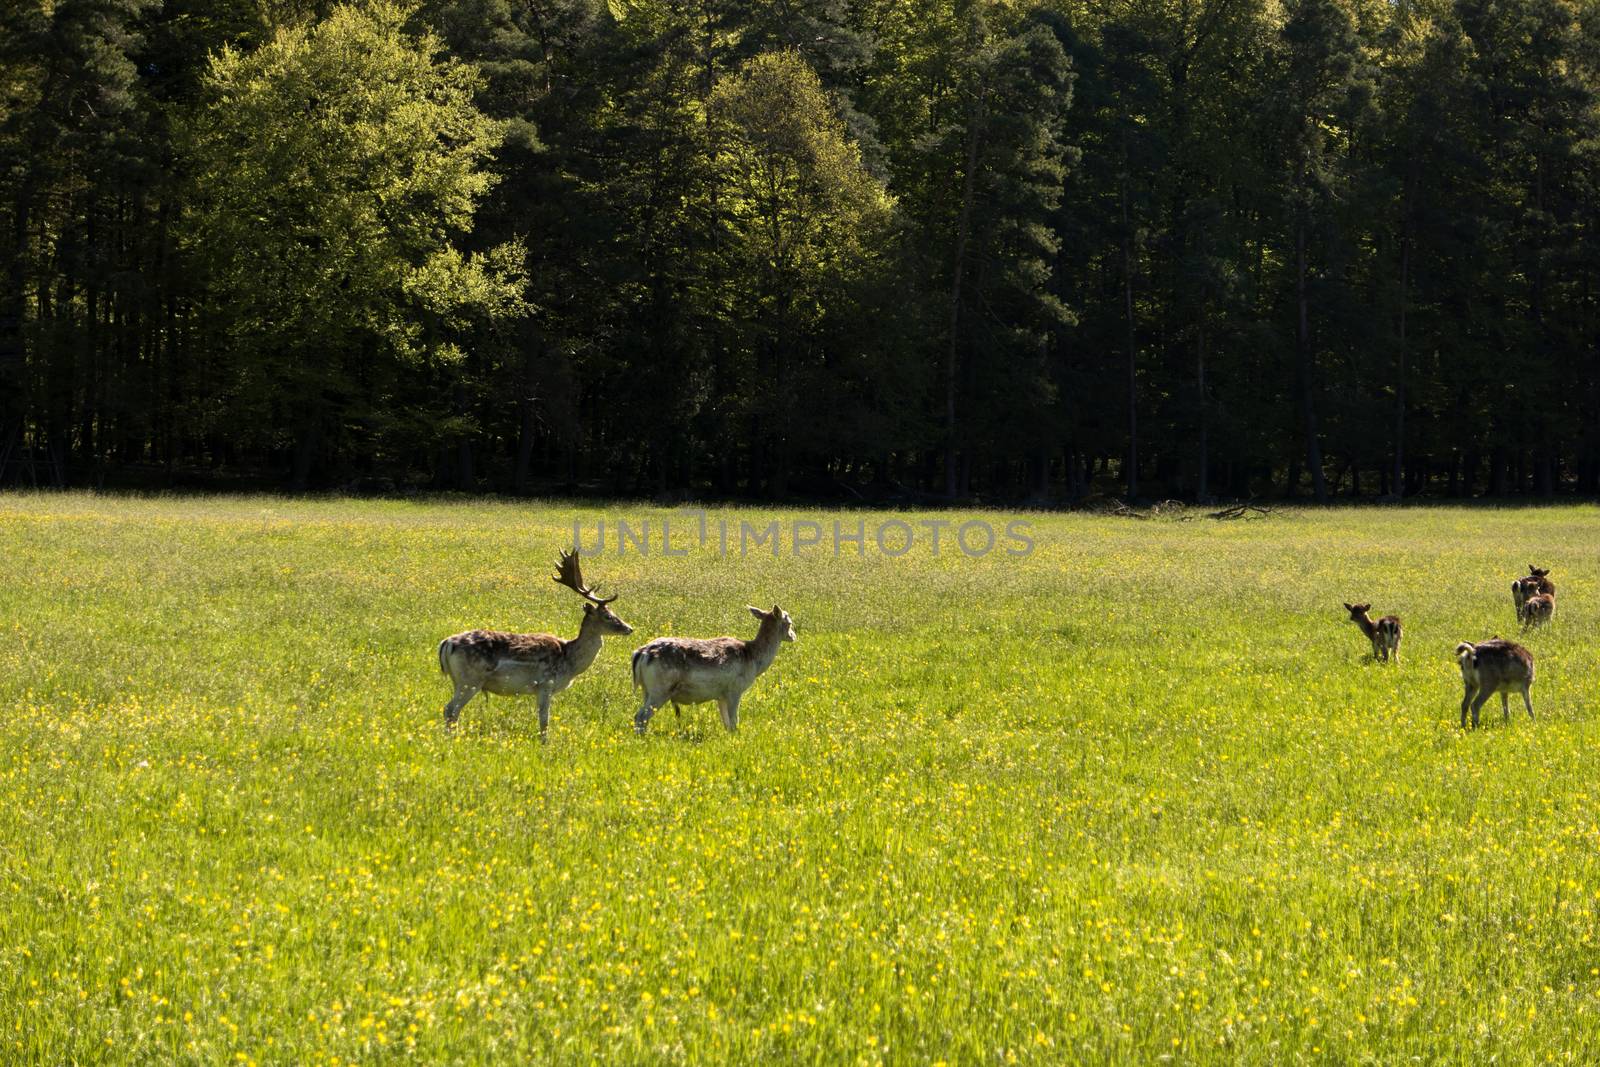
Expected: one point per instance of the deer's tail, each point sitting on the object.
(638, 662)
(444, 651)
(1465, 654)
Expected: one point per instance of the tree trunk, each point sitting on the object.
(1400, 377)
(305, 451)
(13, 308)
(1308, 410)
(1203, 479)
(952, 352)
(1544, 473)
(464, 475)
(1131, 474)
(527, 419)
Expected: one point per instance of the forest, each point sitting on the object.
(853, 250)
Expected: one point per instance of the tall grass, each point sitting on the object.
(1140, 794)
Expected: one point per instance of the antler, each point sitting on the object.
(568, 574)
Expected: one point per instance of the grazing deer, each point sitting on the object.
(1536, 582)
(1538, 609)
(686, 670)
(514, 664)
(1491, 667)
(1384, 634)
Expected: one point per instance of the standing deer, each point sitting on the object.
(1491, 667)
(688, 670)
(514, 664)
(1538, 610)
(1537, 582)
(1384, 634)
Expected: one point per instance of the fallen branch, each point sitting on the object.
(1238, 511)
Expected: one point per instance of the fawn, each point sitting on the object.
(1538, 610)
(1536, 583)
(1384, 634)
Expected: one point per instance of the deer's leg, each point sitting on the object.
(1397, 646)
(1505, 706)
(641, 719)
(1477, 704)
(452, 710)
(1527, 701)
(730, 713)
(1466, 700)
(544, 711)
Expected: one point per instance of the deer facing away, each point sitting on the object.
(1538, 610)
(514, 664)
(693, 671)
(1490, 667)
(1384, 634)
(1536, 583)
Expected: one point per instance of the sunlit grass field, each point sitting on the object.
(1141, 794)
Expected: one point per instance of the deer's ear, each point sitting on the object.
(757, 612)
(588, 609)
(776, 611)
(1347, 607)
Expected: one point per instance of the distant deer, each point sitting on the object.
(1384, 634)
(1534, 584)
(514, 664)
(1541, 576)
(1538, 610)
(687, 670)
(1491, 667)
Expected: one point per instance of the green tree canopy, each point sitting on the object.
(975, 249)
(334, 168)
(803, 215)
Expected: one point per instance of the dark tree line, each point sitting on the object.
(803, 248)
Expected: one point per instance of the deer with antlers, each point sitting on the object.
(692, 671)
(1384, 634)
(490, 661)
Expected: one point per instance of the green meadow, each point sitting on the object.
(1139, 795)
